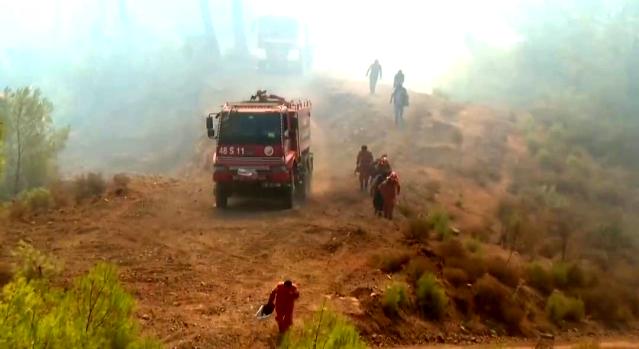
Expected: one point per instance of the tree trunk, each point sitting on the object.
(18, 174)
(209, 31)
(241, 46)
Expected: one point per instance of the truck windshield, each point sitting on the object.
(245, 128)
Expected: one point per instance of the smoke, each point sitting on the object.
(133, 78)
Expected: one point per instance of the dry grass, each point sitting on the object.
(456, 277)
(121, 184)
(504, 272)
(494, 300)
(5, 274)
(473, 266)
(391, 262)
(452, 248)
(416, 268)
(88, 186)
(416, 230)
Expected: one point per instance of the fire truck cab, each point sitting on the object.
(263, 148)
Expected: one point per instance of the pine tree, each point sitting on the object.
(32, 143)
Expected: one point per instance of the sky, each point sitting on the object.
(426, 38)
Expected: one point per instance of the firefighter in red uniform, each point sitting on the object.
(390, 190)
(283, 297)
(364, 166)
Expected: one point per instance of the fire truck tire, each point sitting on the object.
(221, 198)
(289, 195)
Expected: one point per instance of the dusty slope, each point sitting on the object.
(199, 273)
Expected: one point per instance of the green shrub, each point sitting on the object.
(559, 273)
(31, 263)
(392, 262)
(431, 297)
(416, 268)
(327, 330)
(94, 313)
(439, 221)
(417, 229)
(538, 277)
(395, 297)
(560, 308)
(504, 272)
(37, 200)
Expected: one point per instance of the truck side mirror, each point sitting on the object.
(210, 131)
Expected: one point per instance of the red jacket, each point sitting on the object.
(389, 190)
(284, 298)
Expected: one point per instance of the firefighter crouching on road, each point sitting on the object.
(363, 167)
(389, 190)
(283, 297)
(381, 170)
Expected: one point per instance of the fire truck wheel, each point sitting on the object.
(221, 198)
(289, 195)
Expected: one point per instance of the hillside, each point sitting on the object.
(199, 274)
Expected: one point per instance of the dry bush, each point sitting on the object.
(416, 229)
(5, 274)
(91, 185)
(121, 184)
(606, 303)
(416, 268)
(505, 273)
(18, 210)
(391, 262)
(456, 277)
(62, 193)
(473, 245)
(431, 297)
(37, 200)
(433, 188)
(395, 298)
(561, 308)
(452, 248)
(474, 266)
(538, 277)
(494, 300)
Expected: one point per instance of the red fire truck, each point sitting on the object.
(263, 147)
